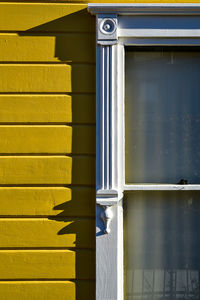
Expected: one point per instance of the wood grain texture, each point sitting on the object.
(47, 264)
(47, 78)
(54, 232)
(47, 108)
(47, 201)
(47, 139)
(71, 47)
(47, 17)
(47, 170)
(51, 290)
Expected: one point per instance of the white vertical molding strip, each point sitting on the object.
(108, 211)
(109, 214)
(107, 126)
(121, 138)
(107, 183)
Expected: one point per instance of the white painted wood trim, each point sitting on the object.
(119, 25)
(162, 187)
(107, 178)
(109, 255)
(109, 212)
(145, 8)
(153, 41)
(165, 33)
(121, 115)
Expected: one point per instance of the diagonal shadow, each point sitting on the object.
(81, 225)
(73, 22)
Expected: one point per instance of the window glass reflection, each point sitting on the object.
(162, 116)
(162, 245)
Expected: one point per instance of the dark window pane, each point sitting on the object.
(162, 116)
(162, 245)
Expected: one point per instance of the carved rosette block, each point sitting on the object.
(107, 29)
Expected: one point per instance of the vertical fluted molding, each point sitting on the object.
(106, 167)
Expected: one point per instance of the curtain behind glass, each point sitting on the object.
(162, 116)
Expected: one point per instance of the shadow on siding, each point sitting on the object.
(83, 166)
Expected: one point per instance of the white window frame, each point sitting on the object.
(118, 25)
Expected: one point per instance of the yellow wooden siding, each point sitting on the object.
(47, 264)
(47, 139)
(47, 151)
(45, 17)
(47, 201)
(52, 170)
(40, 47)
(51, 290)
(47, 108)
(44, 78)
(54, 232)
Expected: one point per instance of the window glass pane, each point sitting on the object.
(162, 245)
(162, 116)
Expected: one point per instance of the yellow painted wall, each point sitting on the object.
(47, 150)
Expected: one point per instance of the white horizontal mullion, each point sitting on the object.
(170, 33)
(161, 187)
(133, 41)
